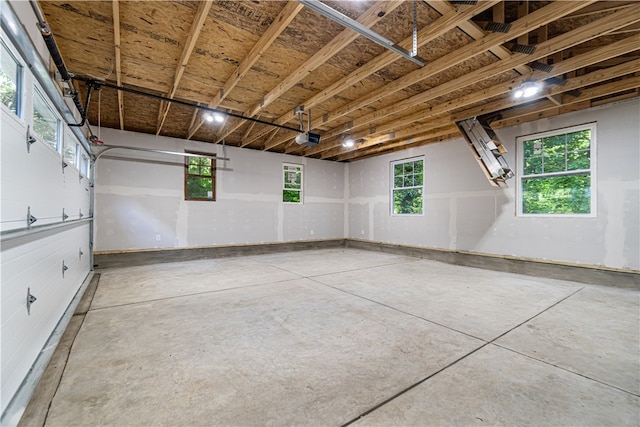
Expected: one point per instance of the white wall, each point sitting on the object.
(140, 204)
(463, 212)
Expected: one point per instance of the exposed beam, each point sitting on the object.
(116, 42)
(476, 32)
(534, 111)
(280, 23)
(540, 17)
(532, 21)
(436, 112)
(578, 35)
(198, 22)
(374, 14)
(445, 23)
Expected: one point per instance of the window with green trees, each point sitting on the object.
(292, 183)
(408, 186)
(556, 172)
(10, 80)
(200, 178)
(45, 122)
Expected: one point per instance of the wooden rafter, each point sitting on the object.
(118, 66)
(540, 17)
(561, 42)
(434, 30)
(284, 18)
(192, 38)
(342, 40)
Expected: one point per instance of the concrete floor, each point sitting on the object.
(338, 336)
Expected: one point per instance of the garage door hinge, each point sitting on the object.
(30, 300)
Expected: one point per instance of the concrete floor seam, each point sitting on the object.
(395, 396)
(565, 369)
(400, 311)
(193, 294)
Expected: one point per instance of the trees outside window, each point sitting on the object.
(199, 178)
(292, 183)
(555, 172)
(45, 121)
(407, 186)
(10, 80)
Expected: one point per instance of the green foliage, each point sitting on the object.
(291, 196)
(199, 177)
(559, 193)
(408, 179)
(45, 122)
(8, 92)
(408, 201)
(292, 184)
(568, 194)
(199, 188)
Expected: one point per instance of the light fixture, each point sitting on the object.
(215, 117)
(527, 89)
(348, 141)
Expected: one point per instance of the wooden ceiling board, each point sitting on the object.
(359, 86)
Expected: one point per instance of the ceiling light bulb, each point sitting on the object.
(208, 118)
(348, 142)
(219, 118)
(518, 93)
(530, 90)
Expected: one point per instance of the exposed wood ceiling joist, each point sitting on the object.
(267, 57)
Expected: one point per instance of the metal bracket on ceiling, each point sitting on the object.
(367, 32)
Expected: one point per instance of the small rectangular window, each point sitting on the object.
(84, 165)
(45, 122)
(555, 172)
(70, 149)
(10, 80)
(200, 177)
(292, 183)
(407, 178)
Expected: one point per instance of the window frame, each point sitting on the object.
(284, 188)
(520, 140)
(212, 176)
(70, 140)
(19, 113)
(37, 91)
(392, 187)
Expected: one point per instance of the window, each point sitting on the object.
(555, 172)
(45, 121)
(70, 149)
(199, 178)
(407, 186)
(84, 165)
(10, 80)
(292, 183)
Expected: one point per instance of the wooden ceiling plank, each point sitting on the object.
(116, 43)
(476, 32)
(561, 42)
(453, 18)
(421, 136)
(556, 91)
(532, 21)
(597, 55)
(528, 113)
(374, 14)
(280, 23)
(243, 142)
(194, 32)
